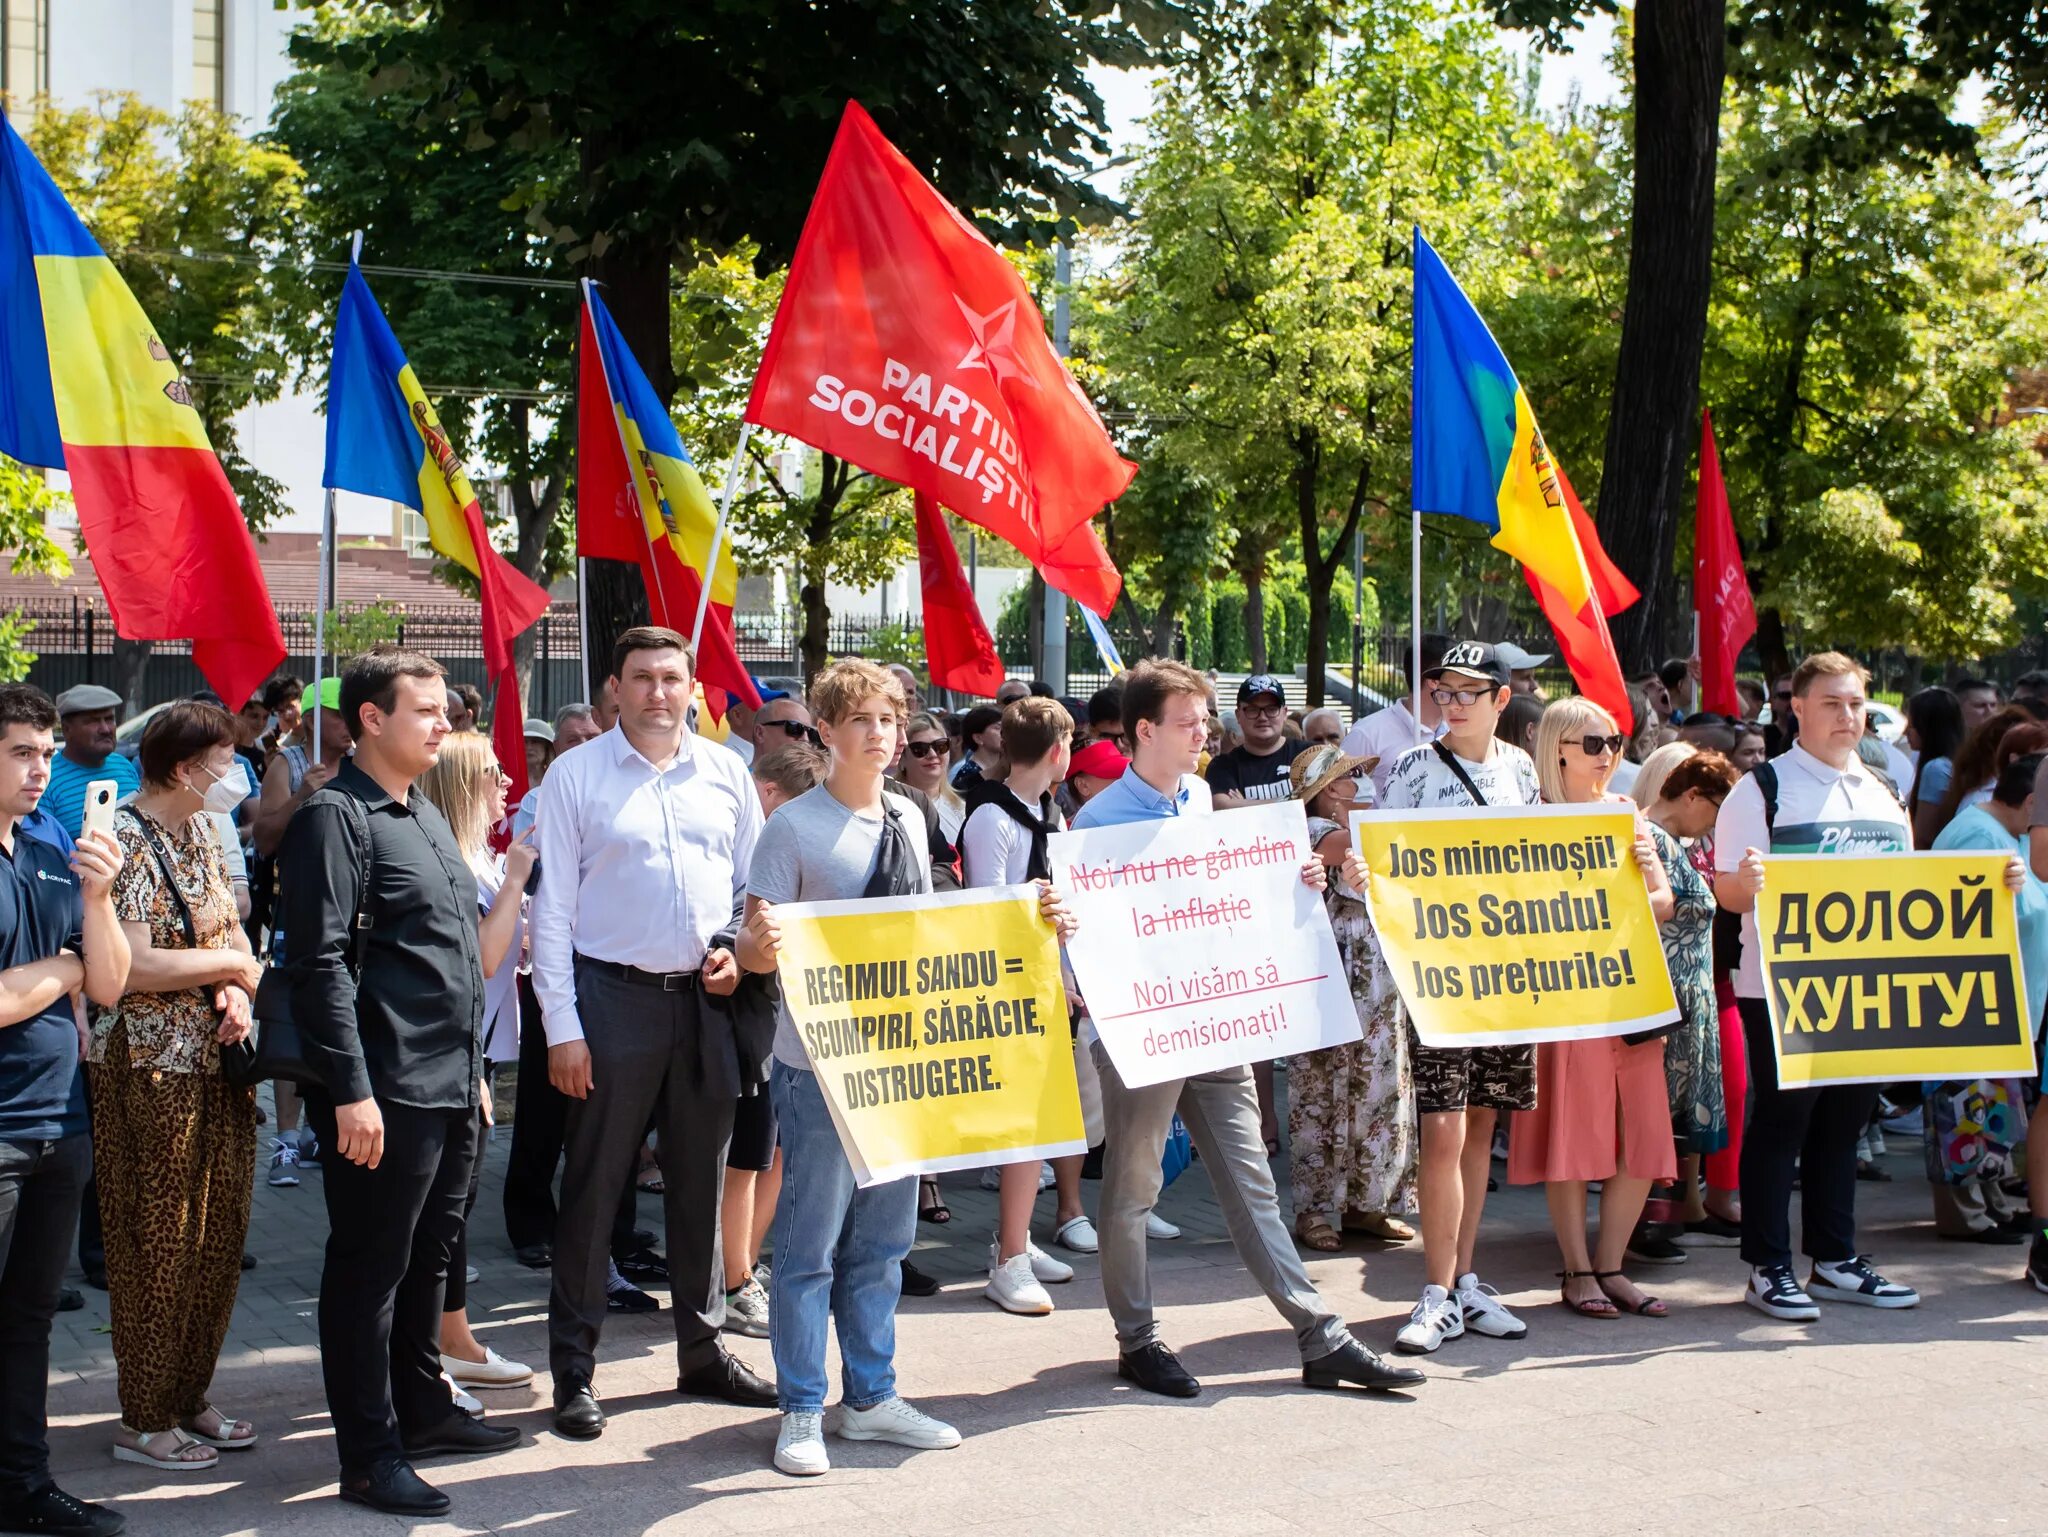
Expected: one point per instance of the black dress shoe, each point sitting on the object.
(1352, 1362)
(70, 1299)
(1157, 1370)
(643, 1237)
(643, 1264)
(731, 1379)
(577, 1415)
(53, 1513)
(917, 1284)
(248, 1260)
(395, 1489)
(2001, 1237)
(630, 1299)
(95, 1276)
(462, 1435)
(536, 1256)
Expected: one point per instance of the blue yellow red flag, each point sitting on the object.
(87, 387)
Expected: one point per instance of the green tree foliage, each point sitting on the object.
(1872, 307)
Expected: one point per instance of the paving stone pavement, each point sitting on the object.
(1714, 1421)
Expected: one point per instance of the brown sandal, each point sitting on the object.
(1601, 1306)
(1317, 1234)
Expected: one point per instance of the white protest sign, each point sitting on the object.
(1199, 947)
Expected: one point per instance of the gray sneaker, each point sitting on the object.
(746, 1311)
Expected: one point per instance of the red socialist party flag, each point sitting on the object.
(958, 650)
(905, 344)
(1720, 587)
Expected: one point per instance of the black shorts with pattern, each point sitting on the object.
(1449, 1078)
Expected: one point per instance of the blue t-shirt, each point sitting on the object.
(41, 912)
(1975, 828)
(65, 798)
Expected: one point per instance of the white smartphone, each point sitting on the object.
(100, 796)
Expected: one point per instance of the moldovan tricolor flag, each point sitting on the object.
(1479, 454)
(639, 498)
(1720, 587)
(905, 344)
(86, 387)
(384, 440)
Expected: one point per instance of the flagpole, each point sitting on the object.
(1415, 619)
(732, 481)
(582, 625)
(660, 593)
(323, 596)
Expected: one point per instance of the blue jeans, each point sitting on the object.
(839, 1252)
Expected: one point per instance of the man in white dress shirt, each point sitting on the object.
(1386, 734)
(645, 838)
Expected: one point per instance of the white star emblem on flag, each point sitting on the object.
(995, 343)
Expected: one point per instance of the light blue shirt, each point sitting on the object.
(65, 797)
(1130, 799)
(1975, 828)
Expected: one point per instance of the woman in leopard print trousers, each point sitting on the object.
(173, 1142)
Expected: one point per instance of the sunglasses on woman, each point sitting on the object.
(1594, 746)
(925, 749)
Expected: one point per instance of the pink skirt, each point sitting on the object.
(1583, 1088)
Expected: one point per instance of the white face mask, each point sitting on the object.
(227, 792)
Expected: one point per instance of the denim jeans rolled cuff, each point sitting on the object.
(838, 1258)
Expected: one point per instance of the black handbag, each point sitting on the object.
(275, 1049)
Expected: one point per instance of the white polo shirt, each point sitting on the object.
(1821, 810)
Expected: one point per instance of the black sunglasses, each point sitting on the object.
(925, 749)
(1593, 746)
(796, 730)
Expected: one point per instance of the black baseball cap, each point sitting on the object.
(1261, 684)
(1470, 658)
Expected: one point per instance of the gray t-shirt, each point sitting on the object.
(813, 849)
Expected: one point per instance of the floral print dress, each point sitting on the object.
(1692, 1053)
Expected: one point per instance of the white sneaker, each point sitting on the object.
(284, 1164)
(466, 1402)
(1857, 1280)
(800, 1445)
(493, 1371)
(895, 1421)
(1043, 1265)
(992, 1177)
(1437, 1317)
(1157, 1226)
(1013, 1288)
(1045, 1176)
(1077, 1235)
(1485, 1313)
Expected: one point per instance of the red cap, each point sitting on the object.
(1100, 759)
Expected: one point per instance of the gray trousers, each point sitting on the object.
(1976, 1207)
(650, 1059)
(1221, 1110)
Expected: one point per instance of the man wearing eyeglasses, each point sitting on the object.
(1257, 770)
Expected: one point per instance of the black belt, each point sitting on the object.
(667, 981)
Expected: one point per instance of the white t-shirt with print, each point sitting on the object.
(1422, 781)
(1821, 810)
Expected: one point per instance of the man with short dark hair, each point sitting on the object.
(645, 837)
(2030, 686)
(382, 956)
(58, 934)
(1979, 699)
(1106, 715)
(1257, 770)
(1679, 688)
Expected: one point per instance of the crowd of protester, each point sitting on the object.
(351, 855)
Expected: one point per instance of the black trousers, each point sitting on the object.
(41, 1185)
(391, 1235)
(540, 1115)
(1807, 1134)
(649, 1057)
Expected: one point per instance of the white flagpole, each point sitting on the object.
(582, 625)
(732, 482)
(323, 597)
(1415, 619)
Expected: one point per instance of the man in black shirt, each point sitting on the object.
(1257, 771)
(386, 981)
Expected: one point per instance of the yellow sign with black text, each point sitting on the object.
(937, 1026)
(1507, 925)
(1893, 966)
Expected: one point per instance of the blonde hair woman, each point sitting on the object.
(1601, 1106)
(470, 789)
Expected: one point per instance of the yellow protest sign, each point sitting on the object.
(1511, 924)
(938, 1029)
(1890, 966)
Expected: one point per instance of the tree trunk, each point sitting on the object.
(131, 662)
(1680, 63)
(1162, 632)
(1255, 618)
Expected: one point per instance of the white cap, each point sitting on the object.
(87, 696)
(1517, 659)
(539, 730)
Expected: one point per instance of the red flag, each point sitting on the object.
(905, 344)
(1582, 634)
(508, 736)
(958, 650)
(1720, 587)
(1615, 591)
(612, 525)
(1081, 568)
